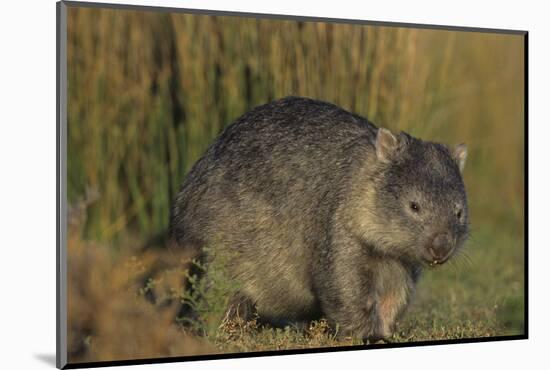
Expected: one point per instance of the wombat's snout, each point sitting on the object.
(440, 249)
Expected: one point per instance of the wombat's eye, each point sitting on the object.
(415, 207)
(459, 214)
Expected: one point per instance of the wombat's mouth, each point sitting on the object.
(435, 255)
(434, 262)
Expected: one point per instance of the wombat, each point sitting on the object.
(323, 214)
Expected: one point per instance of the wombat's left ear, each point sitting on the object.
(460, 154)
(386, 145)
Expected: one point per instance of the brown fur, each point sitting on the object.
(312, 207)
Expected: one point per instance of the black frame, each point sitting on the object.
(61, 154)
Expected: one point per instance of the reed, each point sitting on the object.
(149, 91)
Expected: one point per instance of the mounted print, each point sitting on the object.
(235, 184)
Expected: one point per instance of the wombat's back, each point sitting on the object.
(279, 155)
(292, 134)
(263, 192)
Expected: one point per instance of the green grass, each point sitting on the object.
(478, 297)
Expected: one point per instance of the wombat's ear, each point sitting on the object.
(460, 153)
(386, 145)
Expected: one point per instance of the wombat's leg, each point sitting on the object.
(388, 296)
(369, 325)
(363, 297)
(241, 307)
(378, 326)
(351, 306)
(358, 322)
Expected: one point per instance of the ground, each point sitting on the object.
(480, 293)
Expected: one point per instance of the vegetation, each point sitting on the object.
(149, 91)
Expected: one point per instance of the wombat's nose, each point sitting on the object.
(440, 248)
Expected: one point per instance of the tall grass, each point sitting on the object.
(149, 91)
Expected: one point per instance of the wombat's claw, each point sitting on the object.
(368, 341)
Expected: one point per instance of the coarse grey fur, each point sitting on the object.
(323, 214)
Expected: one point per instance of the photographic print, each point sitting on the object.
(239, 184)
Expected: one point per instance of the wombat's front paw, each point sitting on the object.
(376, 337)
(376, 340)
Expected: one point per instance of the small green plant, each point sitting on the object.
(208, 295)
